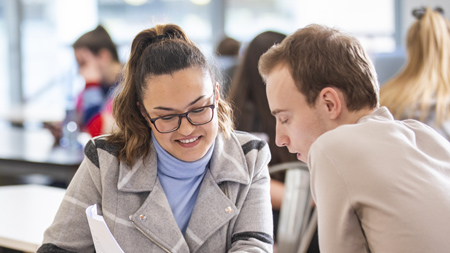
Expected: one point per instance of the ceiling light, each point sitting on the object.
(136, 2)
(200, 2)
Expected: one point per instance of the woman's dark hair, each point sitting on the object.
(248, 95)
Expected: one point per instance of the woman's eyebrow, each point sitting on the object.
(195, 101)
(171, 109)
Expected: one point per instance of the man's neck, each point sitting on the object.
(354, 116)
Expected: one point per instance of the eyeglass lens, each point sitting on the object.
(197, 116)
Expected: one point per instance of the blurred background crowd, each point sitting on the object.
(38, 70)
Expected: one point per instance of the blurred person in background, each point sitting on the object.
(173, 176)
(422, 89)
(227, 55)
(252, 112)
(99, 65)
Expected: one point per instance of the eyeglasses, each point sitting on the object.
(170, 123)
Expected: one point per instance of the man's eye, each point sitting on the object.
(284, 121)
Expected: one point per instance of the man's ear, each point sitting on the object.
(329, 97)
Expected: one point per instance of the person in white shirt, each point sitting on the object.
(380, 185)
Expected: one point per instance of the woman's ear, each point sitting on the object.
(217, 91)
(330, 98)
(141, 110)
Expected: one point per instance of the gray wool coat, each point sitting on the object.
(232, 212)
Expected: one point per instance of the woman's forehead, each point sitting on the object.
(181, 86)
(185, 78)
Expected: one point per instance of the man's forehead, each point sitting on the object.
(280, 79)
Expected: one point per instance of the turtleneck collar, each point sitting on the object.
(181, 182)
(176, 168)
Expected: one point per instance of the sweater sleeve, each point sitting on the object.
(254, 228)
(338, 224)
(70, 229)
(91, 102)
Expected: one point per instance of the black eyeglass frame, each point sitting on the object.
(180, 116)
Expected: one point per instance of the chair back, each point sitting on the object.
(297, 221)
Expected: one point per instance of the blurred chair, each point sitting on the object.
(298, 218)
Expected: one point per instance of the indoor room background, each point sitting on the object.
(38, 72)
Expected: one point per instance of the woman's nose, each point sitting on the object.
(186, 128)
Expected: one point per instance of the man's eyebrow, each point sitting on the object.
(275, 112)
(171, 109)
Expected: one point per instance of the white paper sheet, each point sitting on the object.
(104, 241)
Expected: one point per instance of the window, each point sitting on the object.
(49, 27)
(4, 78)
(375, 26)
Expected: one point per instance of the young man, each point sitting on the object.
(380, 185)
(99, 64)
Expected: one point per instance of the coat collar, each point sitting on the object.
(228, 163)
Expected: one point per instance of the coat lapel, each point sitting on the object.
(155, 219)
(213, 209)
(141, 177)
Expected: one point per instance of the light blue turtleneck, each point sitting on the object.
(181, 182)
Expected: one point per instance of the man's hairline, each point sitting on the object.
(278, 64)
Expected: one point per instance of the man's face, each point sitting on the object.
(89, 65)
(298, 124)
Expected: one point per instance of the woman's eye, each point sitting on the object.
(168, 117)
(198, 110)
(284, 121)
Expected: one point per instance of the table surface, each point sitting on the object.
(28, 152)
(27, 210)
(35, 145)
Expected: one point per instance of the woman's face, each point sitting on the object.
(183, 91)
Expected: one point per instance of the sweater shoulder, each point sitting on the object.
(249, 142)
(100, 142)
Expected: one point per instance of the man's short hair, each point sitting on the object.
(96, 40)
(319, 57)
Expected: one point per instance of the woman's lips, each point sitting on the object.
(189, 142)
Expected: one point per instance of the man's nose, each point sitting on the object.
(281, 139)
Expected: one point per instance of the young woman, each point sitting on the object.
(422, 89)
(252, 114)
(174, 176)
